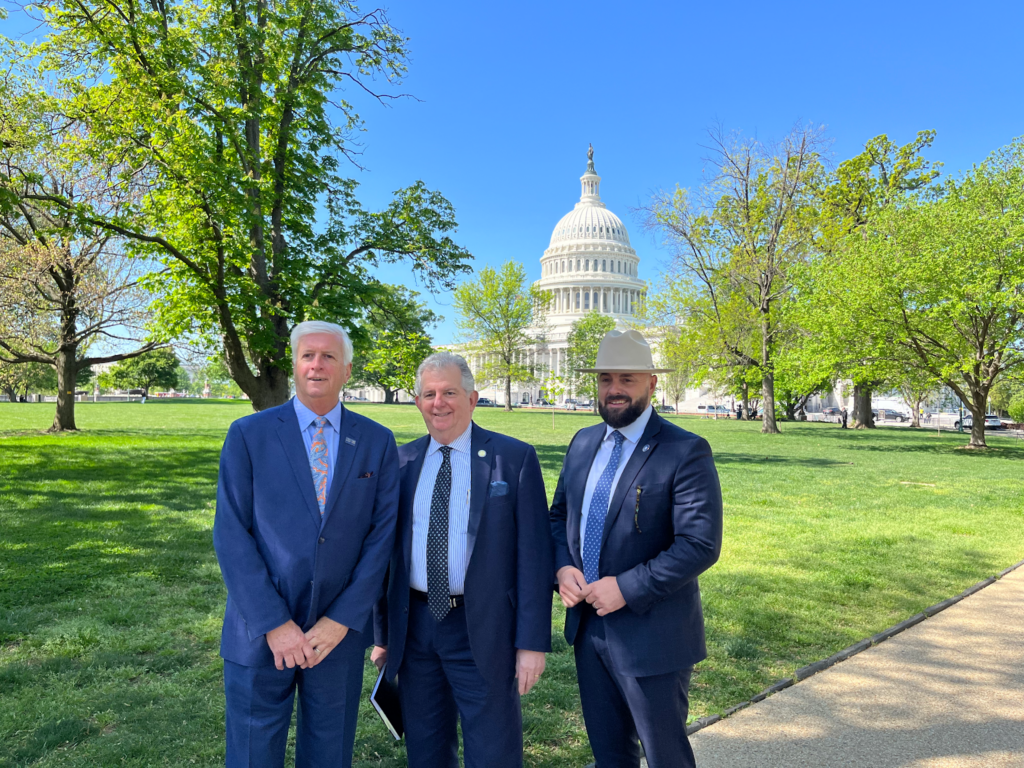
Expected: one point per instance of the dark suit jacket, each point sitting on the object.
(279, 558)
(676, 535)
(508, 579)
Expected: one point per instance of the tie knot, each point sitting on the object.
(619, 437)
(446, 450)
(321, 422)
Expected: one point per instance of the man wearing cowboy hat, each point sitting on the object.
(637, 516)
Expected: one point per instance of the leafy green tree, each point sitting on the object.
(496, 313)
(858, 190)
(228, 124)
(18, 380)
(1016, 409)
(215, 373)
(159, 368)
(674, 354)
(734, 246)
(393, 341)
(939, 280)
(584, 339)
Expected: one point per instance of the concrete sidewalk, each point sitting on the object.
(946, 693)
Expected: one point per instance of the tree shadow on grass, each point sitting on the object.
(900, 440)
(82, 512)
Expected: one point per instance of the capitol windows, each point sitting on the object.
(587, 265)
(604, 265)
(577, 299)
(577, 265)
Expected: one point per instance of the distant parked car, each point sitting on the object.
(667, 408)
(484, 402)
(569, 405)
(713, 409)
(991, 422)
(888, 414)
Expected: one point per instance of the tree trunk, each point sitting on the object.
(768, 425)
(67, 370)
(12, 395)
(389, 396)
(270, 388)
(508, 393)
(746, 401)
(791, 411)
(978, 418)
(862, 416)
(915, 414)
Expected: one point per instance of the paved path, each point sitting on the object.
(946, 693)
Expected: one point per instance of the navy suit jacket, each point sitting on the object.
(508, 579)
(656, 552)
(279, 558)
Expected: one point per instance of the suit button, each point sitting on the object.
(311, 583)
(405, 610)
(322, 539)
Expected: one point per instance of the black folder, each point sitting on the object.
(384, 698)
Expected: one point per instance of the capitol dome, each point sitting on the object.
(589, 263)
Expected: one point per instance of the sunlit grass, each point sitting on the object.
(111, 598)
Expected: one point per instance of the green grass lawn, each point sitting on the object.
(111, 598)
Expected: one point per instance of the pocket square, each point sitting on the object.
(498, 488)
(365, 475)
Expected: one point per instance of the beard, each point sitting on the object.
(624, 417)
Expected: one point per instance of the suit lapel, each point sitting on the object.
(589, 443)
(644, 448)
(348, 443)
(410, 479)
(480, 480)
(290, 435)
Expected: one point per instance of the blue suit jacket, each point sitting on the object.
(279, 558)
(656, 553)
(508, 579)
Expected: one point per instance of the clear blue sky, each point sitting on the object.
(511, 94)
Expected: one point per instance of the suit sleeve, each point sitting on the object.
(558, 516)
(380, 613)
(535, 559)
(355, 603)
(697, 525)
(244, 570)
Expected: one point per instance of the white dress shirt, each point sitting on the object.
(307, 426)
(458, 513)
(632, 432)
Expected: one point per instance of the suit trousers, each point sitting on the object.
(259, 710)
(619, 709)
(439, 684)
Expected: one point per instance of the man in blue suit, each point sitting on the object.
(637, 516)
(306, 507)
(467, 608)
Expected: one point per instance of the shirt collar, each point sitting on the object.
(307, 417)
(462, 443)
(633, 432)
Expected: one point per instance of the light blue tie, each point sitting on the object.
(598, 512)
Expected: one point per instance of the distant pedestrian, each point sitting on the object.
(842, 415)
(739, 412)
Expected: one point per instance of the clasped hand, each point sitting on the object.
(603, 594)
(294, 648)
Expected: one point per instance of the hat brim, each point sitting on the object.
(624, 370)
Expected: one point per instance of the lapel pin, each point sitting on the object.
(350, 441)
(481, 453)
(647, 448)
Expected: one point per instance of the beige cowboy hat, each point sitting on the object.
(624, 351)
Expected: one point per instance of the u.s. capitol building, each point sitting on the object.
(589, 264)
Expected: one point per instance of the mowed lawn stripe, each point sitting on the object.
(111, 598)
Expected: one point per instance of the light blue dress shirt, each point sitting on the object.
(307, 426)
(632, 432)
(458, 513)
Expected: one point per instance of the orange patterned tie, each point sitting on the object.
(318, 463)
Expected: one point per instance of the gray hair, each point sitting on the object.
(319, 326)
(441, 360)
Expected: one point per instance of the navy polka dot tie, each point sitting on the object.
(598, 512)
(438, 598)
